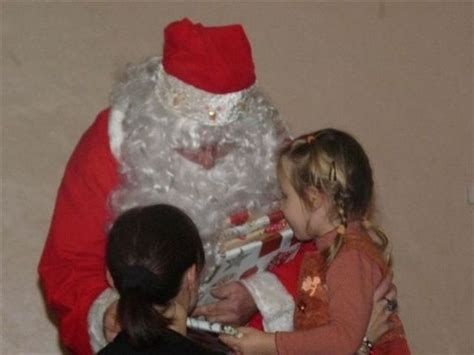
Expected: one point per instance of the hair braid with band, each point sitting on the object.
(339, 198)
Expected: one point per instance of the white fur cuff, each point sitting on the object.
(95, 318)
(273, 301)
(115, 132)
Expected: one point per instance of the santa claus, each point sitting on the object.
(189, 129)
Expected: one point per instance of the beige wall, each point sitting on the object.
(397, 75)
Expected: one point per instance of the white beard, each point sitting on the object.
(152, 171)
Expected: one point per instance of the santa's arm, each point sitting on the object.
(72, 265)
(275, 304)
(274, 293)
(271, 294)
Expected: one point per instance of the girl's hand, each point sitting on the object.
(251, 341)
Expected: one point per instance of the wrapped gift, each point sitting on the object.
(248, 246)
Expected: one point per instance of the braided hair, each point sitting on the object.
(334, 162)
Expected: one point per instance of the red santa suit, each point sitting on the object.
(72, 267)
(73, 261)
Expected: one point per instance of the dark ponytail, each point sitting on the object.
(148, 251)
(140, 319)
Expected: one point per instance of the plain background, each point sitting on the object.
(396, 75)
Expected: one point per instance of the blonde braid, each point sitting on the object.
(331, 252)
(383, 243)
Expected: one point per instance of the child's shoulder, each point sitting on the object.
(362, 244)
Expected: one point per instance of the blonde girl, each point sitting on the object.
(327, 187)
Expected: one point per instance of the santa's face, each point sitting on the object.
(208, 169)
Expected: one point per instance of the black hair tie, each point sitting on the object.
(138, 276)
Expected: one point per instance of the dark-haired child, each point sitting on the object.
(154, 257)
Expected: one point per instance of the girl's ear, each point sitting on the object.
(110, 280)
(314, 196)
(190, 288)
(191, 277)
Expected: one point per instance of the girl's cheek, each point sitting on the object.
(282, 205)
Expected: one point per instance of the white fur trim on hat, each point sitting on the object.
(187, 101)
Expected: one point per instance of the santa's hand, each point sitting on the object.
(379, 322)
(234, 305)
(111, 324)
(251, 341)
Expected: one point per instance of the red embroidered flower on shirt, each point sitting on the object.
(310, 284)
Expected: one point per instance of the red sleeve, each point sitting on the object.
(395, 347)
(351, 281)
(72, 265)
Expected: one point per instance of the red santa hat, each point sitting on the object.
(215, 59)
(207, 72)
